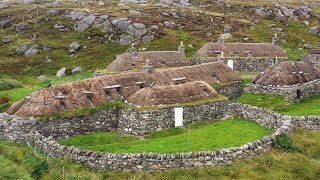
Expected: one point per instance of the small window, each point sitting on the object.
(205, 93)
(163, 63)
(63, 106)
(109, 95)
(90, 100)
(118, 89)
(133, 66)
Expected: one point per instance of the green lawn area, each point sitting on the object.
(307, 107)
(203, 137)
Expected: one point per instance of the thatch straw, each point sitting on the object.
(241, 50)
(100, 90)
(172, 94)
(157, 59)
(287, 73)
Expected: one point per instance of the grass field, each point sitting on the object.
(203, 137)
(307, 107)
(21, 162)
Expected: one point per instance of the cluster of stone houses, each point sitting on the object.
(161, 79)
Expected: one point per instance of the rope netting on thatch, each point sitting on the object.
(287, 73)
(172, 94)
(240, 50)
(157, 59)
(100, 90)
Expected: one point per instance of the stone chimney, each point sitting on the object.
(182, 48)
(275, 40)
(147, 68)
(221, 39)
(133, 52)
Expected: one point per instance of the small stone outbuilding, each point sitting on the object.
(295, 80)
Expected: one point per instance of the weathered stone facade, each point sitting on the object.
(231, 90)
(145, 122)
(294, 93)
(23, 131)
(249, 64)
(311, 58)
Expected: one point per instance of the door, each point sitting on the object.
(230, 63)
(178, 116)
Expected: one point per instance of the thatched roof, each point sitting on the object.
(316, 50)
(157, 59)
(287, 73)
(172, 94)
(240, 49)
(100, 90)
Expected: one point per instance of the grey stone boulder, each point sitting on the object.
(126, 40)
(261, 12)
(74, 47)
(227, 36)
(137, 30)
(59, 26)
(277, 30)
(135, 13)
(121, 23)
(146, 39)
(21, 27)
(84, 24)
(23, 49)
(53, 11)
(227, 28)
(42, 77)
(314, 30)
(170, 24)
(75, 15)
(286, 11)
(6, 40)
(5, 23)
(61, 72)
(76, 70)
(33, 50)
(108, 27)
(307, 46)
(3, 6)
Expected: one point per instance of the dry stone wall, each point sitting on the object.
(249, 64)
(312, 58)
(294, 93)
(23, 131)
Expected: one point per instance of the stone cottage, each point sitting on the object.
(247, 57)
(295, 80)
(158, 59)
(314, 56)
(119, 87)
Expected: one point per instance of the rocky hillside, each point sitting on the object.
(39, 38)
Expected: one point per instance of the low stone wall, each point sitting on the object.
(293, 93)
(311, 58)
(153, 161)
(249, 64)
(23, 131)
(145, 122)
(232, 90)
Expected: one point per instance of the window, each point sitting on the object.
(90, 100)
(63, 106)
(109, 97)
(118, 89)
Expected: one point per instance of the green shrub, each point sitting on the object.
(283, 141)
(7, 85)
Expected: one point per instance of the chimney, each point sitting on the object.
(147, 68)
(133, 52)
(182, 48)
(275, 40)
(221, 39)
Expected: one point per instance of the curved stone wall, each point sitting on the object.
(26, 131)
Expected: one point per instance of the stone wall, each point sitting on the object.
(249, 64)
(311, 58)
(23, 131)
(294, 93)
(145, 122)
(232, 90)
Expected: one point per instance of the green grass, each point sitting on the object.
(307, 107)
(221, 134)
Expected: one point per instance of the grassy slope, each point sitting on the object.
(307, 107)
(303, 163)
(222, 134)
